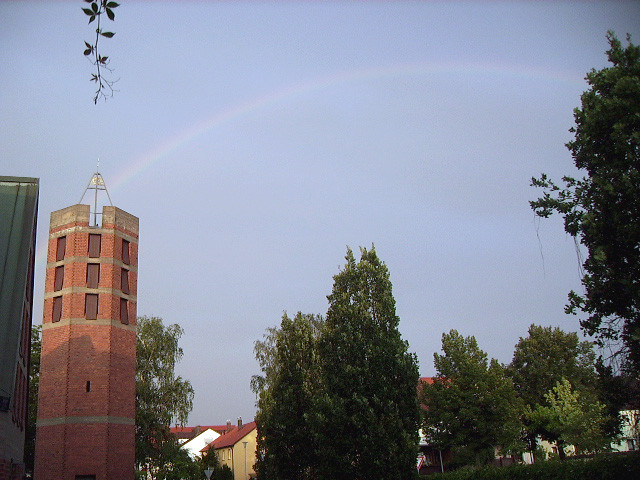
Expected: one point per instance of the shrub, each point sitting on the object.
(614, 466)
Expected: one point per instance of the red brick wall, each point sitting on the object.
(83, 432)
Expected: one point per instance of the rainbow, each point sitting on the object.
(246, 107)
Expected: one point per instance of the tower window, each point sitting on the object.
(57, 309)
(124, 281)
(93, 275)
(60, 248)
(125, 251)
(91, 306)
(59, 278)
(94, 245)
(124, 311)
(88, 385)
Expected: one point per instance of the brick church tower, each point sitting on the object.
(86, 405)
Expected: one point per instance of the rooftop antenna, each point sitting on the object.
(96, 183)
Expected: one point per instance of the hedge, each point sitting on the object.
(616, 466)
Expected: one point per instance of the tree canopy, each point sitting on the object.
(567, 418)
(472, 406)
(288, 359)
(338, 397)
(161, 396)
(545, 357)
(602, 209)
(367, 414)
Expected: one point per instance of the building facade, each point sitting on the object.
(18, 215)
(86, 405)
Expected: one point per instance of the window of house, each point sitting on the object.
(125, 251)
(94, 245)
(60, 248)
(124, 281)
(230, 454)
(88, 386)
(124, 311)
(93, 275)
(57, 309)
(59, 278)
(91, 306)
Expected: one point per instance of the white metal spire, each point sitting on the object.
(96, 183)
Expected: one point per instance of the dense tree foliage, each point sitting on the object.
(34, 384)
(545, 357)
(366, 416)
(162, 398)
(340, 394)
(287, 357)
(541, 360)
(471, 407)
(602, 209)
(567, 418)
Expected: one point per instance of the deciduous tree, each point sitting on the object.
(162, 398)
(547, 355)
(541, 360)
(602, 209)
(34, 384)
(288, 359)
(472, 406)
(567, 418)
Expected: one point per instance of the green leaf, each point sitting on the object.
(112, 5)
(88, 45)
(110, 14)
(87, 11)
(93, 17)
(94, 7)
(107, 34)
(88, 51)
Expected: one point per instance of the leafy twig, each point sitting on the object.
(101, 62)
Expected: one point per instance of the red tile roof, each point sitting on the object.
(231, 437)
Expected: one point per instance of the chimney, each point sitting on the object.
(239, 423)
(228, 426)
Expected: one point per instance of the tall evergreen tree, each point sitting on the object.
(365, 419)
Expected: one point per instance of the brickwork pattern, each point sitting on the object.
(86, 411)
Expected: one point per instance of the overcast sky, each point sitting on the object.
(256, 141)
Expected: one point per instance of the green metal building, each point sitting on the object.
(18, 214)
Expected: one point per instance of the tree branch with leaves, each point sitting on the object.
(95, 12)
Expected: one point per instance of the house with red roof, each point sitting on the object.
(236, 448)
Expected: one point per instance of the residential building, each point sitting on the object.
(629, 437)
(195, 445)
(237, 450)
(18, 215)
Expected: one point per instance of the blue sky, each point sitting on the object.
(257, 140)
